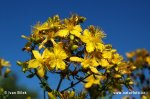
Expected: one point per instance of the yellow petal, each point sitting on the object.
(46, 53)
(76, 33)
(104, 62)
(36, 54)
(86, 33)
(78, 28)
(86, 63)
(94, 62)
(144, 97)
(100, 46)
(52, 64)
(107, 54)
(148, 60)
(76, 59)
(94, 70)
(98, 78)
(4, 63)
(130, 55)
(84, 39)
(62, 33)
(59, 51)
(61, 65)
(44, 26)
(88, 85)
(90, 47)
(51, 96)
(41, 71)
(34, 63)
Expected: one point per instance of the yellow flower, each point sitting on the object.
(57, 57)
(93, 41)
(51, 95)
(50, 24)
(71, 94)
(148, 60)
(47, 37)
(93, 79)
(130, 55)
(107, 54)
(44, 26)
(70, 28)
(90, 63)
(104, 63)
(117, 58)
(28, 97)
(39, 60)
(4, 63)
(144, 97)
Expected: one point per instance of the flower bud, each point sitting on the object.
(133, 68)
(108, 71)
(1, 91)
(117, 76)
(128, 79)
(74, 47)
(71, 37)
(131, 82)
(25, 37)
(72, 93)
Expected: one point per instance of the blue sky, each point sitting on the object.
(126, 23)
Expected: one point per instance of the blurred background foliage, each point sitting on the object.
(10, 84)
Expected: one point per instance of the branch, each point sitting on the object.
(72, 85)
(47, 87)
(60, 81)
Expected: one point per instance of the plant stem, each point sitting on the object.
(61, 79)
(72, 85)
(44, 95)
(42, 81)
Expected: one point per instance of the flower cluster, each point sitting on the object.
(141, 59)
(4, 63)
(64, 47)
(4, 71)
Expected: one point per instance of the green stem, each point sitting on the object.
(42, 80)
(44, 94)
(61, 79)
(72, 85)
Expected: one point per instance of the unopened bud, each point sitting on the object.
(133, 67)
(108, 71)
(117, 76)
(128, 79)
(72, 93)
(71, 37)
(25, 37)
(74, 47)
(131, 82)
